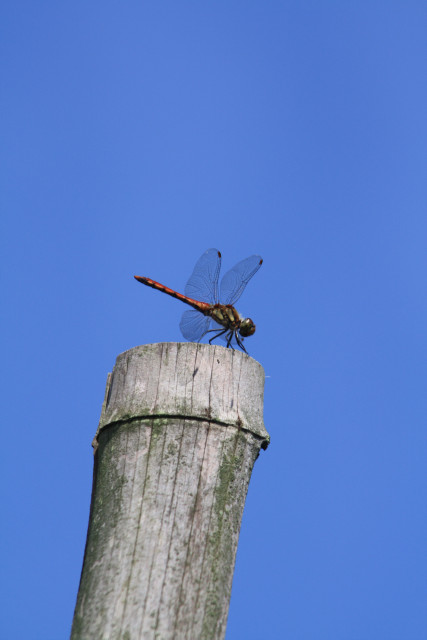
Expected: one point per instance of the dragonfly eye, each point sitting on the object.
(247, 328)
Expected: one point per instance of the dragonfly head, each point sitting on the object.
(246, 328)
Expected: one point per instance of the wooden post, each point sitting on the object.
(181, 427)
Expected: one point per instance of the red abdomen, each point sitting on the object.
(204, 307)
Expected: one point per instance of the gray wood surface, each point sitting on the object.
(180, 429)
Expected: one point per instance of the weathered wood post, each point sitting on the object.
(180, 429)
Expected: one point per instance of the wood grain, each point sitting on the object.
(180, 429)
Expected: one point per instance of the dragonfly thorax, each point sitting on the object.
(228, 317)
(225, 315)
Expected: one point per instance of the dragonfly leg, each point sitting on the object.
(240, 343)
(220, 333)
(230, 337)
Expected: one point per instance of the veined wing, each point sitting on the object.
(203, 282)
(193, 325)
(234, 282)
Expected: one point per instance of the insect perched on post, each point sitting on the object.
(213, 310)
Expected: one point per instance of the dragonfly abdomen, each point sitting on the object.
(203, 307)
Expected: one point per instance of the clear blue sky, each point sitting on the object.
(136, 135)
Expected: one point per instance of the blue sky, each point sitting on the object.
(137, 135)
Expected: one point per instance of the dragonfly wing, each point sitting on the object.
(235, 280)
(193, 325)
(203, 282)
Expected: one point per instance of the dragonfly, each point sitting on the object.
(213, 307)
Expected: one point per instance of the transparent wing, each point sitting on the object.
(234, 282)
(203, 282)
(193, 325)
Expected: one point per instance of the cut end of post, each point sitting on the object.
(238, 402)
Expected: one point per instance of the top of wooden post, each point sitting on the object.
(189, 380)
